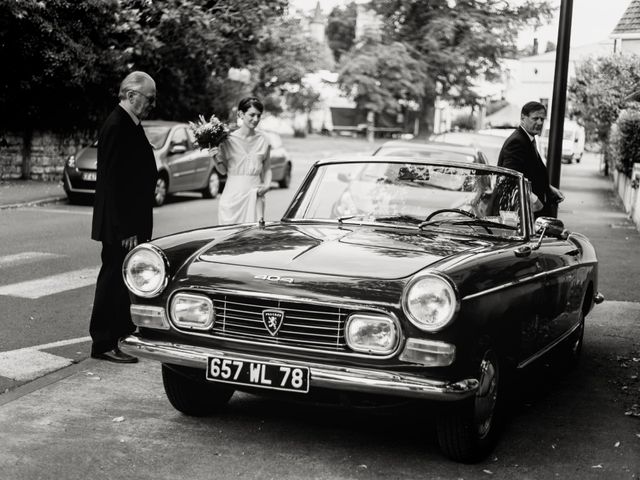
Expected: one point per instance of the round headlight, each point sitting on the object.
(430, 302)
(145, 270)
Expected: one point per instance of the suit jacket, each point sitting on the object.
(126, 179)
(518, 153)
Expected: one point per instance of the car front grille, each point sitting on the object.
(306, 325)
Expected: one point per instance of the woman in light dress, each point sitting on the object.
(244, 157)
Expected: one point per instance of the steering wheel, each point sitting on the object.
(453, 210)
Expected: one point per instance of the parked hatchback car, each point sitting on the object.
(388, 278)
(182, 165)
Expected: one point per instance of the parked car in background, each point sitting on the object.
(431, 151)
(490, 143)
(182, 165)
(387, 280)
(573, 138)
(281, 164)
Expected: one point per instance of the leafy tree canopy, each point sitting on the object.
(459, 40)
(62, 58)
(284, 54)
(68, 57)
(380, 77)
(600, 90)
(341, 29)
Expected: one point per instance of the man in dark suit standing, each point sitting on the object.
(520, 153)
(122, 211)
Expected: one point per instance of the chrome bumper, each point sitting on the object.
(325, 376)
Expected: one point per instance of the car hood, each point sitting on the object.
(357, 251)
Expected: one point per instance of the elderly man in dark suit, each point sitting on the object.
(122, 211)
(520, 153)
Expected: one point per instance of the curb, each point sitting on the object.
(33, 203)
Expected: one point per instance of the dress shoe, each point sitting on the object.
(116, 355)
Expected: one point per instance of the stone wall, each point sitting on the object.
(49, 152)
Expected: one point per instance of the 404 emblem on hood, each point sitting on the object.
(273, 320)
(274, 278)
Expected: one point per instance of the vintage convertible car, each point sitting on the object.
(387, 278)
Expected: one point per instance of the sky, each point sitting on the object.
(592, 20)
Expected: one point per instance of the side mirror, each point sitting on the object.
(174, 149)
(552, 227)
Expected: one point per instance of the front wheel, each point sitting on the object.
(286, 179)
(468, 432)
(213, 185)
(189, 393)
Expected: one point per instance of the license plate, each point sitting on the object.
(89, 176)
(257, 374)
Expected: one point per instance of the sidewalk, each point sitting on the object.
(16, 193)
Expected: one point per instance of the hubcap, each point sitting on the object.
(487, 394)
(161, 190)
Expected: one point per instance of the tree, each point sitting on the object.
(189, 47)
(62, 59)
(67, 58)
(599, 91)
(458, 41)
(380, 77)
(341, 29)
(284, 55)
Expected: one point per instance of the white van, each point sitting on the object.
(572, 142)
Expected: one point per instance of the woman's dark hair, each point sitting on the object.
(248, 102)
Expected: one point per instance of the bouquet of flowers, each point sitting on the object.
(209, 133)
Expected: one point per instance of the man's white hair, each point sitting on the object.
(134, 81)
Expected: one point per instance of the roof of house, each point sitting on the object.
(630, 21)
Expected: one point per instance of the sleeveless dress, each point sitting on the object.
(243, 159)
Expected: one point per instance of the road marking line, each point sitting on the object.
(26, 257)
(28, 364)
(51, 285)
(59, 343)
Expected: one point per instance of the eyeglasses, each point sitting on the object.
(150, 98)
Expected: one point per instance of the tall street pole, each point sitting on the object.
(559, 98)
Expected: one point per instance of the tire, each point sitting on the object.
(468, 432)
(189, 393)
(75, 198)
(286, 178)
(213, 186)
(162, 187)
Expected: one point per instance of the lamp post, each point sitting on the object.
(559, 98)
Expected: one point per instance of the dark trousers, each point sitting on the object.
(110, 318)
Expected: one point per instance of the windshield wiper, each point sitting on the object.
(399, 218)
(476, 222)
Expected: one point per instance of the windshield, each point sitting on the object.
(423, 153)
(419, 195)
(157, 135)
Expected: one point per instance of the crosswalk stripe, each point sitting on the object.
(29, 363)
(53, 284)
(26, 257)
(59, 343)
